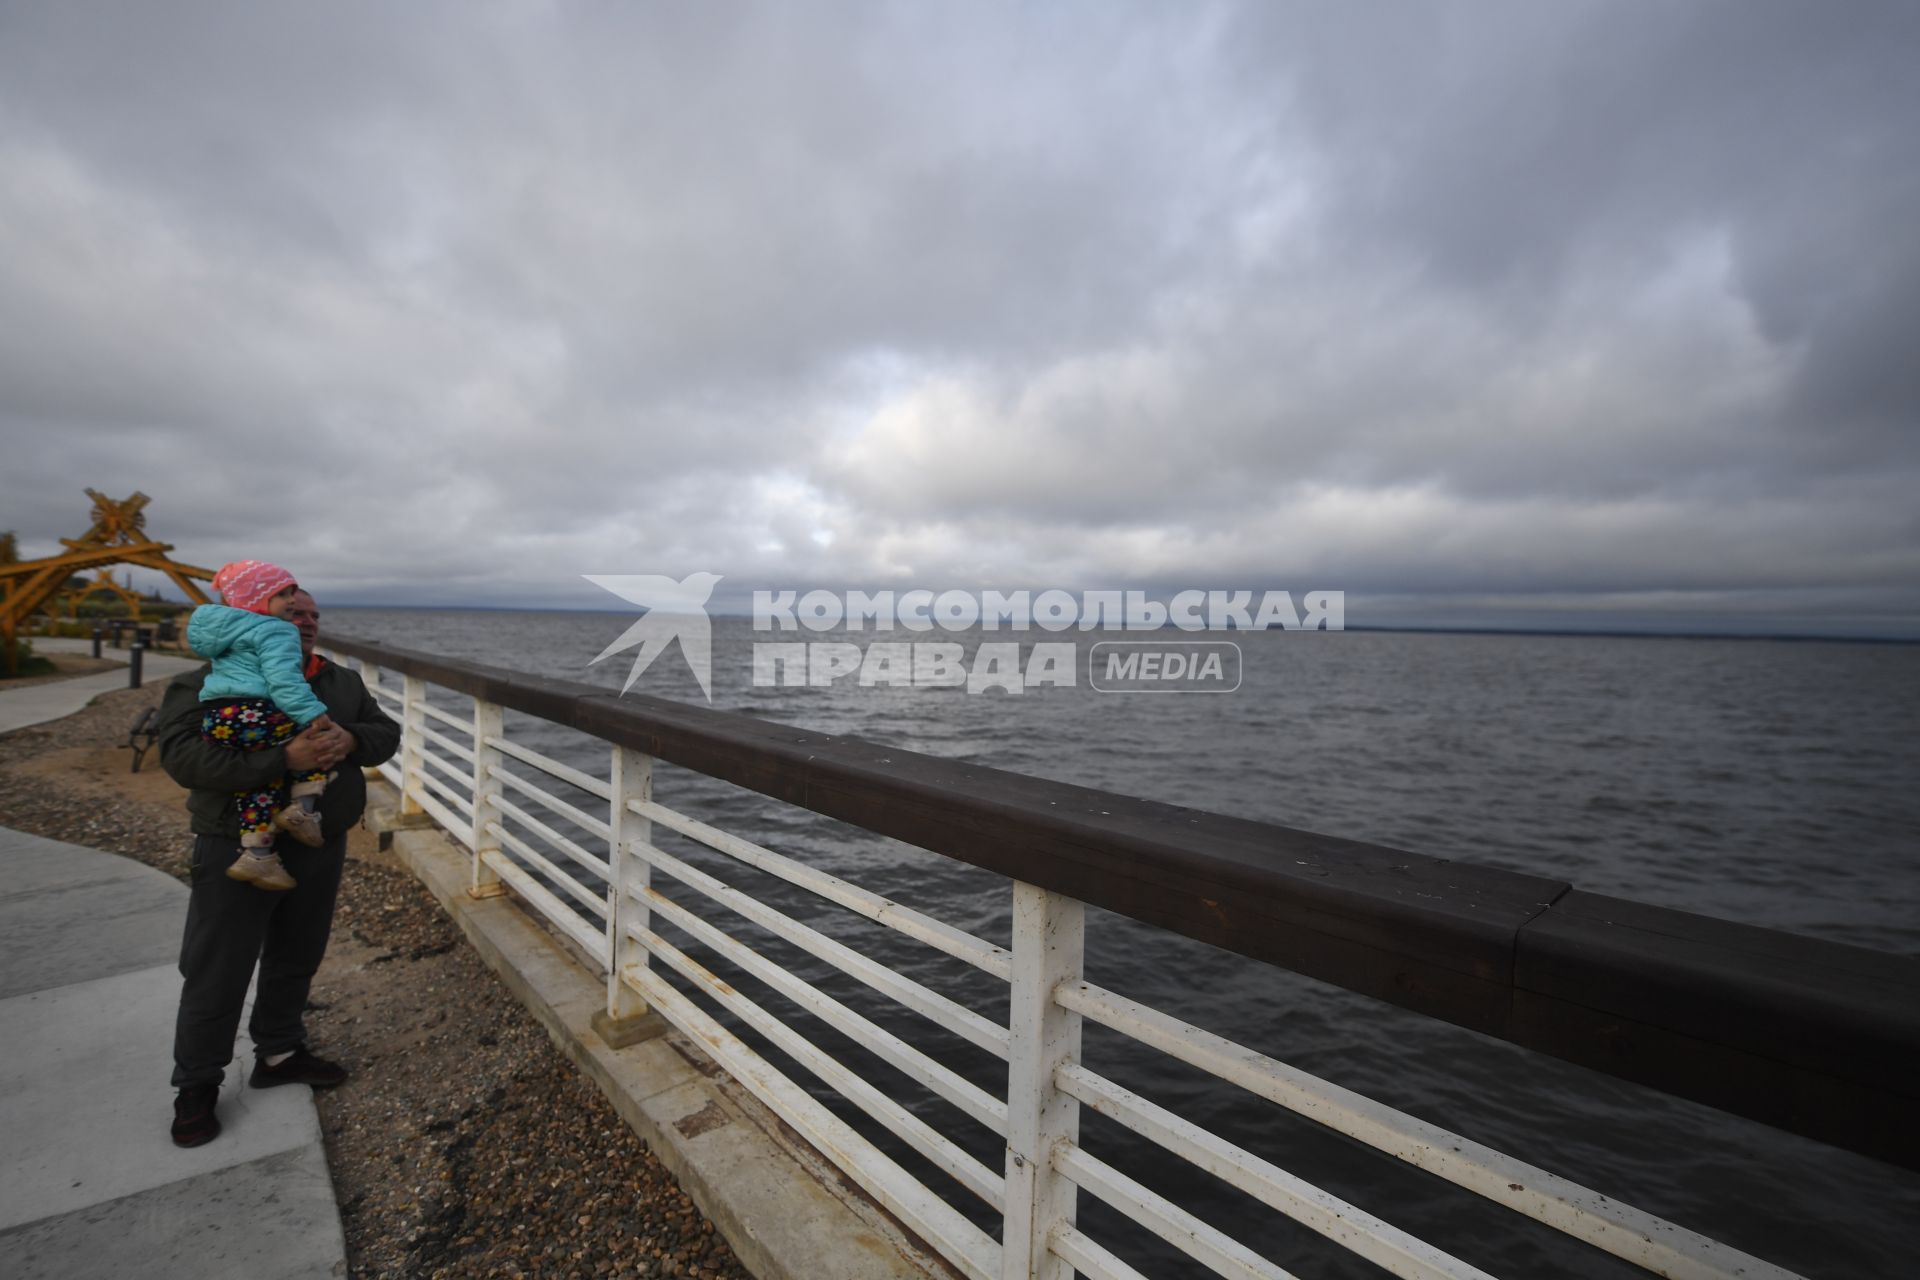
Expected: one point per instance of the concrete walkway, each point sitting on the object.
(75, 644)
(40, 703)
(90, 1182)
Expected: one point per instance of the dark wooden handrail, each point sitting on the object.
(1814, 1037)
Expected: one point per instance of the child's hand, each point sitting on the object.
(321, 721)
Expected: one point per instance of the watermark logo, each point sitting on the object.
(1159, 666)
(1164, 663)
(674, 611)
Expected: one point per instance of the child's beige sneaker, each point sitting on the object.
(302, 824)
(261, 870)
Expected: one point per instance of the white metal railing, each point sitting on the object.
(489, 809)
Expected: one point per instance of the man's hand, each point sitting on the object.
(318, 747)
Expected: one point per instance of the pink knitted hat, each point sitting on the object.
(249, 584)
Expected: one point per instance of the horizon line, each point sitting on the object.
(1613, 633)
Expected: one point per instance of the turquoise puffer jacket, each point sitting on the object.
(253, 656)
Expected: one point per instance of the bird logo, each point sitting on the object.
(674, 611)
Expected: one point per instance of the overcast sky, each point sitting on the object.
(1590, 312)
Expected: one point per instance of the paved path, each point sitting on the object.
(58, 698)
(90, 1182)
(75, 644)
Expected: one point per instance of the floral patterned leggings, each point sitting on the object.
(254, 724)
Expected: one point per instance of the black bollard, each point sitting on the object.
(135, 652)
(96, 640)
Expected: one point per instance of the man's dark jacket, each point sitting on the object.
(212, 774)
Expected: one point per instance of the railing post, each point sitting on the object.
(489, 726)
(1048, 944)
(632, 780)
(413, 692)
(369, 676)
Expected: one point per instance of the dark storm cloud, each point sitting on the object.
(1506, 145)
(1472, 298)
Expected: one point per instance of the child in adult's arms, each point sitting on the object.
(257, 697)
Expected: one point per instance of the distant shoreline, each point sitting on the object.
(1611, 633)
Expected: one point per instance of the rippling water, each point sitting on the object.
(1767, 782)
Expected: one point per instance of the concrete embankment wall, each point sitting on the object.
(787, 1214)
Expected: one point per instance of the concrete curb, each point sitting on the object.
(787, 1214)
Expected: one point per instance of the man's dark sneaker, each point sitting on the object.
(194, 1122)
(300, 1067)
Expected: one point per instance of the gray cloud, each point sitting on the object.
(1506, 146)
(1591, 302)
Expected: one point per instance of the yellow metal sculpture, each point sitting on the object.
(118, 536)
(70, 597)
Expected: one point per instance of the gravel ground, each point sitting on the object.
(464, 1145)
